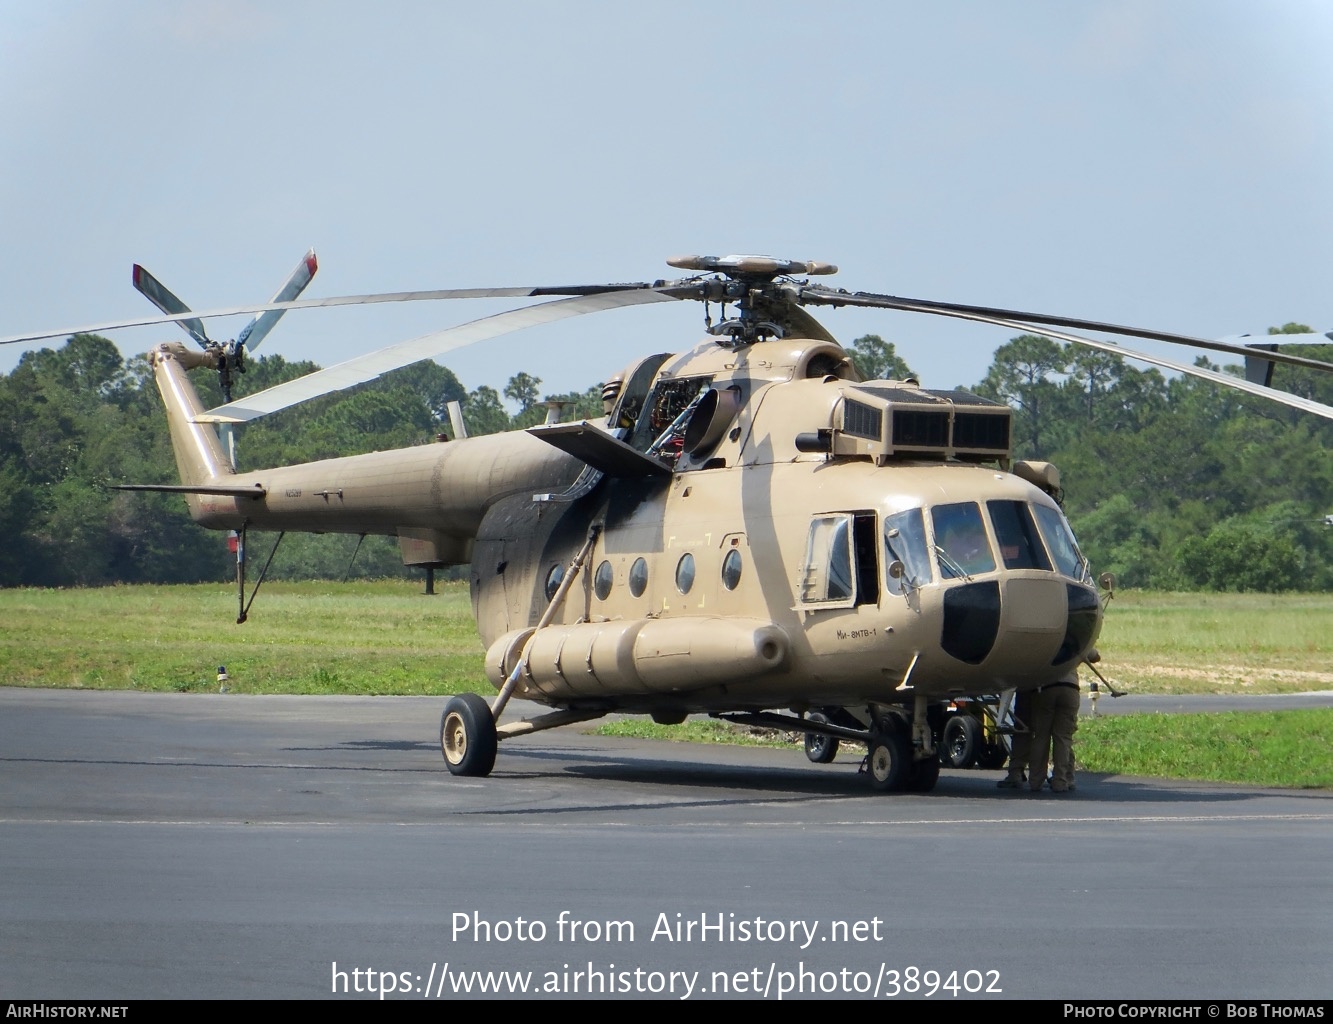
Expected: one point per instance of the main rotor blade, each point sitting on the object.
(257, 329)
(831, 297)
(368, 367)
(337, 300)
(160, 296)
(1225, 380)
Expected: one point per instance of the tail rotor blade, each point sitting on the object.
(257, 329)
(158, 294)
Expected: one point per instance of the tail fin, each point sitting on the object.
(200, 457)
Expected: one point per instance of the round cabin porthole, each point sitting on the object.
(685, 573)
(602, 580)
(731, 569)
(638, 577)
(553, 579)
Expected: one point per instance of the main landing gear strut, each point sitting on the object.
(901, 754)
(893, 768)
(469, 736)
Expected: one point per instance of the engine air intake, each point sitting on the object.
(884, 421)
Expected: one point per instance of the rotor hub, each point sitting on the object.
(740, 267)
(764, 303)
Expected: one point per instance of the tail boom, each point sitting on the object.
(436, 492)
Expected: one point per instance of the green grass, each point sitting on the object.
(364, 638)
(1218, 643)
(699, 730)
(1292, 749)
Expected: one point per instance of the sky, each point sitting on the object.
(1163, 165)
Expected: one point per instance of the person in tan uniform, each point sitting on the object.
(1054, 722)
(1020, 742)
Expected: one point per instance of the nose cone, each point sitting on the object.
(1020, 625)
(971, 621)
(1082, 626)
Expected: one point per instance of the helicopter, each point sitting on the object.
(751, 531)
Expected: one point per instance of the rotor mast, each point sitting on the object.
(764, 304)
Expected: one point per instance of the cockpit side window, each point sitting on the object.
(842, 560)
(1060, 540)
(828, 561)
(1020, 547)
(905, 542)
(961, 546)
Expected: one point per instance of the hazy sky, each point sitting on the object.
(1165, 164)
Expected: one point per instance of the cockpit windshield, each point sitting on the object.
(905, 542)
(961, 545)
(1020, 547)
(1024, 535)
(1068, 559)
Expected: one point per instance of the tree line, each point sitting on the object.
(1170, 483)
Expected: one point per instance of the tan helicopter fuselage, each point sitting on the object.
(786, 552)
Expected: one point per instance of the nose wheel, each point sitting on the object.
(467, 736)
(893, 766)
(890, 761)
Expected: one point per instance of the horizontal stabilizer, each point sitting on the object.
(254, 491)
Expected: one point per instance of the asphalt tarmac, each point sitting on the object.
(197, 846)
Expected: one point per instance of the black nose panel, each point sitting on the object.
(1084, 611)
(971, 621)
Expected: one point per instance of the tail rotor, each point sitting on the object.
(229, 355)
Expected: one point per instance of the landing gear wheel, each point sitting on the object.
(992, 755)
(923, 775)
(961, 741)
(467, 736)
(890, 761)
(820, 749)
